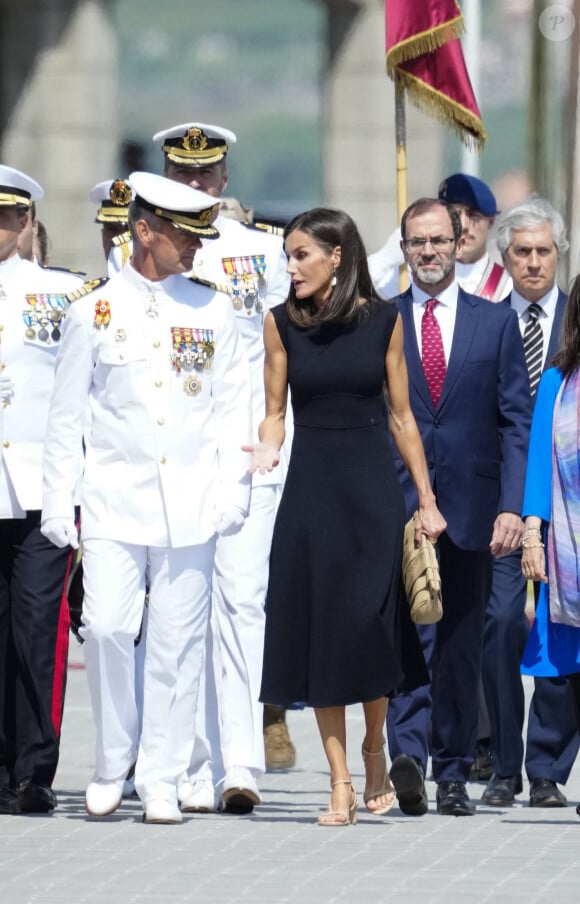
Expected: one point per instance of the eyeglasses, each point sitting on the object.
(438, 242)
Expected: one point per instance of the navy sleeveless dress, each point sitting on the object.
(338, 630)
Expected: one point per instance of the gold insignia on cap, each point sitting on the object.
(209, 214)
(120, 193)
(194, 139)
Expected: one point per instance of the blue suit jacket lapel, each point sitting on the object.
(463, 333)
(412, 356)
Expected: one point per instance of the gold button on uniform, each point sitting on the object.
(5, 443)
(156, 344)
(161, 421)
(163, 460)
(158, 383)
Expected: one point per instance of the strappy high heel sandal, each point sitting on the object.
(341, 817)
(387, 787)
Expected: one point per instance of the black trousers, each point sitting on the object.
(452, 649)
(34, 627)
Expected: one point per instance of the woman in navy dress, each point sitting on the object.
(338, 629)
(552, 513)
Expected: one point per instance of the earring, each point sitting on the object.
(333, 280)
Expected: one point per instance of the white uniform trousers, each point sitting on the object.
(229, 720)
(179, 580)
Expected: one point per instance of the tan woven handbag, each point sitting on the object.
(421, 577)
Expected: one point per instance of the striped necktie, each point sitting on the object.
(432, 352)
(533, 346)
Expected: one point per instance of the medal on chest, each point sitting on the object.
(102, 314)
(245, 277)
(44, 315)
(192, 352)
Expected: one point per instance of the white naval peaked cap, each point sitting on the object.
(114, 196)
(185, 207)
(17, 188)
(195, 143)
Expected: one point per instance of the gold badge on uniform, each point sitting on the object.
(192, 385)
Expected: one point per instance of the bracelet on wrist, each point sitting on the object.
(525, 545)
(531, 531)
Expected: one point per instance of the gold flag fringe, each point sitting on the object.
(425, 42)
(468, 127)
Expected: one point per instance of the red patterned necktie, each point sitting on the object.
(433, 354)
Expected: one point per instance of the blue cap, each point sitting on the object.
(469, 190)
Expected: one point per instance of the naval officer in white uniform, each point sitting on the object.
(33, 607)
(113, 197)
(158, 360)
(250, 265)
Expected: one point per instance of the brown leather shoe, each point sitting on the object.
(279, 750)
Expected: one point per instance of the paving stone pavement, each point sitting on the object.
(279, 854)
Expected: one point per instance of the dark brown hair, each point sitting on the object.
(568, 357)
(423, 205)
(330, 228)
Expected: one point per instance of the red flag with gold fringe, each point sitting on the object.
(424, 54)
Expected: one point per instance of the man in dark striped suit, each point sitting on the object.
(531, 239)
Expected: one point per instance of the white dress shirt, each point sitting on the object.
(444, 312)
(545, 318)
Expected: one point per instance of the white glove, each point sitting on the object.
(230, 521)
(6, 387)
(61, 531)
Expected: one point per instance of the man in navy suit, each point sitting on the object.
(531, 239)
(474, 426)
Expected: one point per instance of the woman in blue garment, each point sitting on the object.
(551, 510)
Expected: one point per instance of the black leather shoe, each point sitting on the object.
(482, 766)
(409, 780)
(545, 793)
(34, 797)
(8, 801)
(501, 790)
(453, 799)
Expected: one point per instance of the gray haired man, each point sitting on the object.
(531, 239)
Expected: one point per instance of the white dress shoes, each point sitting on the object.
(240, 792)
(197, 797)
(103, 797)
(160, 811)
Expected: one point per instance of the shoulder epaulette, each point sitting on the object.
(266, 227)
(203, 282)
(122, 239)
(70, 270)
(86, 288)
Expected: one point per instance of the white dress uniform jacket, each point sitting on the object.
(163, 455)
(29, 362)
(474, 278)
(237, 249)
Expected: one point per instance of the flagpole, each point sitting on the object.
(471, 42)
(401, 164)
